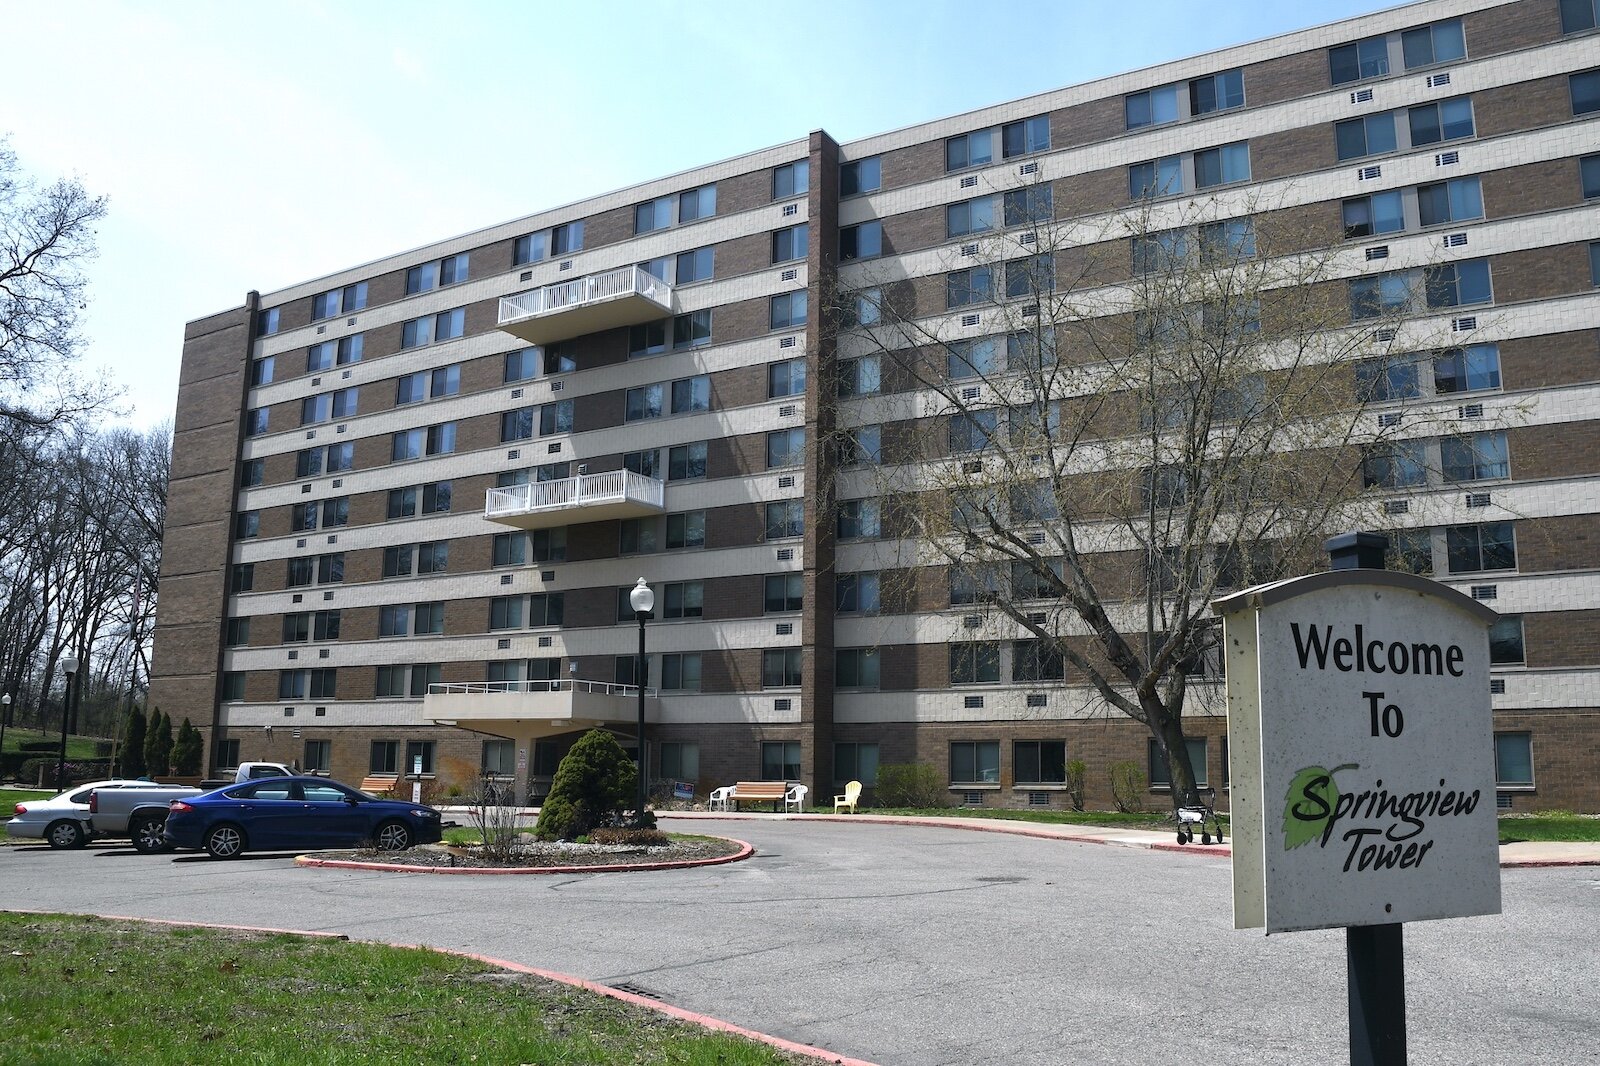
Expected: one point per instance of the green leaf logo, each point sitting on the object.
(1310, 802)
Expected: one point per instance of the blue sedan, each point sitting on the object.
(292, 813)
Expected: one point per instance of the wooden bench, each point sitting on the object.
(378, 786)
(760, 792)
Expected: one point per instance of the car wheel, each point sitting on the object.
(225, 841)
(393, 836)
(150, 835)
(65, 834)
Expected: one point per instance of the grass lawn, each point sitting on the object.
(88, 990)
(77, 747)
(1549, 825)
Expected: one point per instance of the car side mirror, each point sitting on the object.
(352, 800)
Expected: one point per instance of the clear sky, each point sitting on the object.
(252, 146)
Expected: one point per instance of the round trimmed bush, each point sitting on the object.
(593, 785)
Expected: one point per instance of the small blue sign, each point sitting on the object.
(682, 790)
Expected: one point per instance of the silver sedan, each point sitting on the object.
(62, 820)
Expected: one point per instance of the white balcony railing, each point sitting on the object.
(473, 688)
(625, 296)
(583, 498)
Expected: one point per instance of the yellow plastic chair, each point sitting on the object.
(852, 796)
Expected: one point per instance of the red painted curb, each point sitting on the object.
(1521, 864)
(746, 850)
(704, 1020)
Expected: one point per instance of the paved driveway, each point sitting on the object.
(920, 946)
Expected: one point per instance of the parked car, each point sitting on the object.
(283, 813)
(62, 820)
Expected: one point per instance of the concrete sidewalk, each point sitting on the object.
(1525, 853)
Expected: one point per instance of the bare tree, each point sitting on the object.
(1095, 426)
(47, 234)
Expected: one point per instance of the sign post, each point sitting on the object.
(416, 779)
(1361, 764)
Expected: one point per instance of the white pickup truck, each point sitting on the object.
(140, 811)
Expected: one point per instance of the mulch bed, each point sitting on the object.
(532, 854)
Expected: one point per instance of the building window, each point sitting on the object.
(696, 265)
(859, 519)
(1442, 42)
(791, 244)
(325, 625)
(546, 609)
(680, 599)
(233, 687)
(246, 524)
(780, 668)
(686, 461)
(780, 760)
(505, 612)
(969, 150)
(1410, 551)
(787, 378)
(856, 593)
(652, 216)
(330, 568)
(296, 628)
(791, 179)
(1153, 107)
(446, 325)
(252, 472)
(1161, 774)
(1037, 660)
(339, 301)
(522, 365)
(856, 668)
(429, 619)
(419, 756)
(292, 684)
(1505, 641)
(1448, 120)
(499, 758)
(974, 583)
(1403, 464)
(786, 447)
(788, 310)
(261, 371)
(510, 549)
(686, 530)
(697, 203)
(300, 572)
(1370, 135)
(1585, 90)
(256, 420)
(1386, 379)
(859, 176)
(1594, 263)
(784, 592)
(1513, 760)
(970, 216)
(266, 325)
(680, 761)
(973, 431)
(1039, 762)
(1459, 200)
(786, 518)
(433, 557)
(447, 271)
(1025, 137)
(855, 762)
(969, 286)
(860, 377)
(324, 684)
(397, 560)
(976, 358)
(394, 620)
(1216, 92)
(975, 663)
(1485, 546)
(974, 762)
(1222, 166)
(694, 329)
(680, 672)
(1579, 15)
(1031, 277)
(863, 241)
(1157, 177)
(1029, 207)
(391, 682)
(1359, 61)
(1475, 457)
(862, 446)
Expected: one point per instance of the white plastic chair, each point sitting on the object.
(720, 798)
(796, 798)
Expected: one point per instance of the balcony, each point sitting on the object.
(523, 709)
(584, 498)
(626, 296)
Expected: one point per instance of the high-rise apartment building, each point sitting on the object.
(409, 499)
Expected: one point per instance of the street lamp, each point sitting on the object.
(69, 663)
(5, 716)
(643, 601)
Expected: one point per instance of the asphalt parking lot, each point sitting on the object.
(918, 946)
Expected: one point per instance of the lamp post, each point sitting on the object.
(5, 716)
(643, 601)
(69, 663)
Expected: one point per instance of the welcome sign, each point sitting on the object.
(1361, 752)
